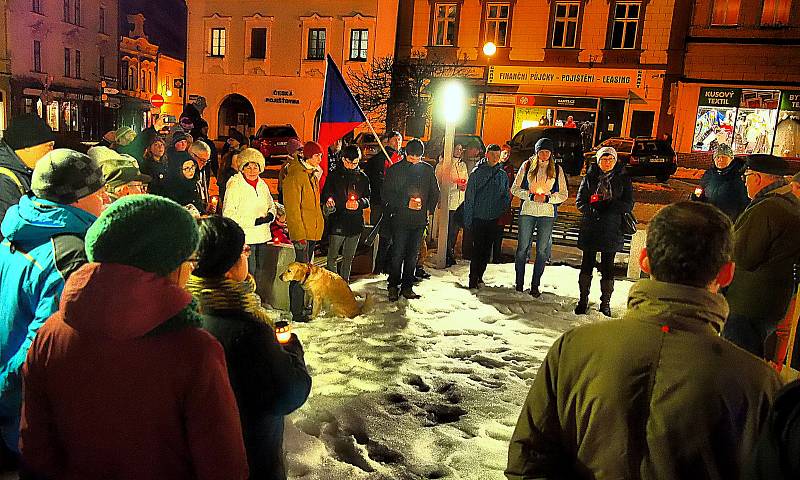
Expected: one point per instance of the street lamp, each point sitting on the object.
(489, 49)
(452, 101)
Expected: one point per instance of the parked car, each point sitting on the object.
(642, 156)
(569, 146)
(368, 143)
(271, 141)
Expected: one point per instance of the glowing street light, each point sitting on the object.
(452, 103)
(489, 49)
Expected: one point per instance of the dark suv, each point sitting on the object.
(641, 156)
(271, 141)
(569, 146)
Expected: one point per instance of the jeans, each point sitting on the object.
(749, 333)
(405, 251)
(297, 296)
(544, 246)
(257, 267)
(350, 245)
(452, 235)
(484, 236)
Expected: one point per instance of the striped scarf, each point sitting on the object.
(225, 294)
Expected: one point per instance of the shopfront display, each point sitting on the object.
(787, 131)
(547, 110)
(746, 119)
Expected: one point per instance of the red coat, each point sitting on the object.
(107, 396)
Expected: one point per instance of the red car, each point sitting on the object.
(271, 141)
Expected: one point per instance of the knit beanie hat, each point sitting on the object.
(26, 131)
(606, 151)
(221, 245)
(65, 176)
(249, 155)
(148, 232)
(415, 147)
(177, 137)
(311, 148)
(157, 139)
(124, 136)
(545, 143)
(723, 149)
(118, 168)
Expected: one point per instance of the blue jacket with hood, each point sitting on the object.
(42, 246)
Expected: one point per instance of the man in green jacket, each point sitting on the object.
(765, 247)
(657, 394)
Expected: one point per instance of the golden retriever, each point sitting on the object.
(326, 289)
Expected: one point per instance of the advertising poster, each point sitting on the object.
(756, 120)
(787, 132)
(716, 118)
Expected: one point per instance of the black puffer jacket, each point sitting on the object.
(777, 453)
(341, 184)
(601, 225)
(403, 181)
(724, 188)
(269, 381)
(10, 192)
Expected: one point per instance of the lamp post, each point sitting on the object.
(452, 100)
(489, 49)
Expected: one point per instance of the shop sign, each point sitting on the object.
(600, 77)
(790, 100)
(719, 97)
(550, 101)
(283, 96)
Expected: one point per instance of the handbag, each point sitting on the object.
(628, 223)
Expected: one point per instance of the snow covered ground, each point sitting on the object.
(428, 388)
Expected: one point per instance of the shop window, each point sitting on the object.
(77, 64)
(37, 56)
(445, 19)
(775, 12)
(102, 20)
(565, 24)
(258, 43)
(358, 45)
(36, 6)
(132, 78)
(67, 11)
(218, 42)
(726, 12)
(316, 44)
(53, 116)
(626, 25)
(67, 62)
(76, 19)
(497, 15)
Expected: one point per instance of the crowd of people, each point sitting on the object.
(125, 278)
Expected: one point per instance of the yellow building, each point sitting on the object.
(603, 65)
(260, 63)
(170, 85)
(138, 74)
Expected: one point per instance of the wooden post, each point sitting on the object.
(444, 199)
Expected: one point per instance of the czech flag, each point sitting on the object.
(341, 114)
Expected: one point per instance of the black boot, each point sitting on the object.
(584, 284)
(394, 294)
(408, 293)
(535, 293)
(606, 289)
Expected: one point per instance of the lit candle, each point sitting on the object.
(283, 331)
(698, 191)
(353, 197)
(214, 200)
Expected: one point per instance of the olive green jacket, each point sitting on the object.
(655, 395)
(766, 244)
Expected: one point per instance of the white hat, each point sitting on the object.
(606, 151)
(249, 155)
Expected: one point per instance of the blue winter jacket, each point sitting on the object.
(488, 193)
(43, 244)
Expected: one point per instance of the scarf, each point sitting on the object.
(604, 191)
(225, 294)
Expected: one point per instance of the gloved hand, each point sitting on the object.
(269, 217)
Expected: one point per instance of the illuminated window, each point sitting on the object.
(358, 45)
(217, 42)
(775, 12)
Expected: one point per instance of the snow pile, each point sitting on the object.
(430, 388)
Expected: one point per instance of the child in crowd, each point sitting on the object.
(280, 232)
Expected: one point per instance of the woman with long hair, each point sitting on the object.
(542, 186)
(155, 164)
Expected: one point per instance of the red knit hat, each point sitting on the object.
(311, 148)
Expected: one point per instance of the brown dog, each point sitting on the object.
(326, 288)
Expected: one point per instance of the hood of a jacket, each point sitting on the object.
(34, 221)
(119, 302)
(679, 306)
(10, 160)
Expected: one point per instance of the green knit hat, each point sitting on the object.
(148, 232)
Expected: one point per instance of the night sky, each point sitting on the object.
(165, 23)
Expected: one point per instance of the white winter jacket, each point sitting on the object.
(458, 170)
(543, 184)
(245, 204)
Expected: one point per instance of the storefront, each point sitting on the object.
(750, 120)
(72, 113)
(601, 103)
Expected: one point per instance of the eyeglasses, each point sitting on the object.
(246, 251)
(189, 168)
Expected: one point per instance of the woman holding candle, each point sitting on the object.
(346, 193)
(542, 187)
(605, 195)
(269, 378)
